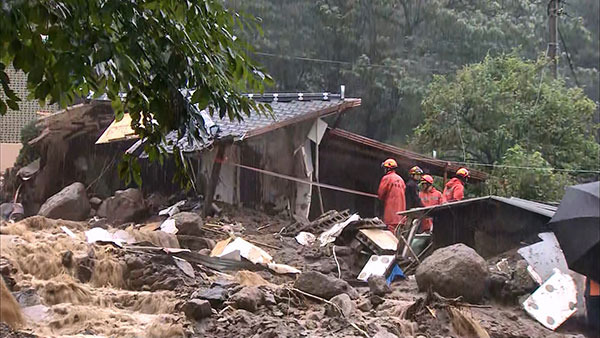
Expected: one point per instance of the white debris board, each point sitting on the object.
(376, 266)
(544, 256)
(554, 301)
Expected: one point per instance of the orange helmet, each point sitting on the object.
(390, 163)
(415, 171)
(463, 172)
(427, 179)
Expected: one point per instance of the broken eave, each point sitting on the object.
(354, 142)
(74, 121)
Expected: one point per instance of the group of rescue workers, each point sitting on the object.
(398, 196)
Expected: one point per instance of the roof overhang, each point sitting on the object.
(121, 130)
(75, 120)
(408, 158)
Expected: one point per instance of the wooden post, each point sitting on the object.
(317, 168)
(213, 180)
(445, 175)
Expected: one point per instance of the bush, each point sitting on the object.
(28, 153)
(515, 178)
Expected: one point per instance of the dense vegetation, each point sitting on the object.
(386, 51)
(393, 53)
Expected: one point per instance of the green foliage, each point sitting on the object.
(537, 185)
(139, 53)
(504, 111)
(490, 106)
(389, 50)
(27, 154)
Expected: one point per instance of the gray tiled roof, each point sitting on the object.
(12, 123)
(288, 109)
(282, 111)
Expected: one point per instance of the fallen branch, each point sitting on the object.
(265, 226)
(264, 244)
(473, 305)
(363, 332)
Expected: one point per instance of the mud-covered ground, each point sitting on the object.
(67, 287)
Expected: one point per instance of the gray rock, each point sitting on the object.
(344, 303)
(197, 309)
(454, 271)
(27, 297)
(95, 202)
(376, 300)
(188, 223)
(378, 285)
(521, 280)
(324, 286)
(365, 305)
(215, 295)
(71, 203)
(125, 206)
(316, 316)
(248, 298)
(384, 334)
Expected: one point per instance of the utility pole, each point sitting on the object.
(553, 11)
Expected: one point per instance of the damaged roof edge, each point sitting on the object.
(344, 105)
(535, 207)
(443, 165)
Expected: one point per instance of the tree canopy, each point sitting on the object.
(387, 51)
(506, 111)
(138, 53)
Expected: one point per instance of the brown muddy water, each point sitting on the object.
(44, 258)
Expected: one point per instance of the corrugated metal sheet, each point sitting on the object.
(535, 207)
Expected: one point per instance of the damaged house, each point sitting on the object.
(294, 159)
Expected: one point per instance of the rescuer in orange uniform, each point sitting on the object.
(391, 192)
(429, 196)
(455, 188)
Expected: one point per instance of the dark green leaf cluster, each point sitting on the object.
(137, 53)
(507, 111)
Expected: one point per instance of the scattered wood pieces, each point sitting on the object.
(465, 325)
(264, 244)
(265, 226)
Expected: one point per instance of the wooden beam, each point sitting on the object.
(213, 180)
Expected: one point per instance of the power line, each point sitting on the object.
(590, 171)
(562, 39)
(338, 62)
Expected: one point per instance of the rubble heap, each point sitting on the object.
(243, 273)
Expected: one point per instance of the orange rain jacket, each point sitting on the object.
(429, 198)
(391, 192)
(454, 191)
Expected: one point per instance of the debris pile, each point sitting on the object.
(243, 273)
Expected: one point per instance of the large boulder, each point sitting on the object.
(323, 286)
(125, 206)
(71, 203)
(453, 271)
(188, 223)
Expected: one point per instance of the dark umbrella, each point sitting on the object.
(576, 224)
